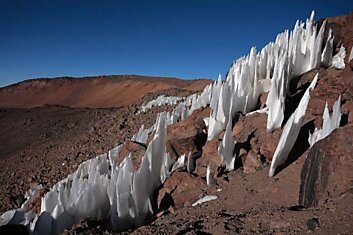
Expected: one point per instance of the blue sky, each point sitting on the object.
(179, 38)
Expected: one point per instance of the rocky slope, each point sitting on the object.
(44, 144)
(311, 192)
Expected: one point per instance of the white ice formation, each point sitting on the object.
(209, 176)
(142, 135)
(101, 188)
(160, 101)
(291, 54)
(191, 164)
(186, 104)
(326, 56)
(290, 131)
(180, 163)
(20, 215)
(351, 55)
(298, 52)
(81, 195)
(130, 193)
(226, 148)
(184, 107)
(206, 198)
(338, 59)
(330, 122)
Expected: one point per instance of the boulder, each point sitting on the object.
(179, 190)
(250, 133)
(210, 157)
(188, 135)
(137, 151)
(327, 170)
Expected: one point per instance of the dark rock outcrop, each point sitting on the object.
(327, 171)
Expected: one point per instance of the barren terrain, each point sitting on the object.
(48, 127)
(93, 92)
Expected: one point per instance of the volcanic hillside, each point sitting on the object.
(267, 150)
(94, 92)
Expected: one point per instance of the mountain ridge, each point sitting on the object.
(93, 92)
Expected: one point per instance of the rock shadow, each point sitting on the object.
(300, 145)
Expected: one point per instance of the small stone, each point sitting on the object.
(312, 224)
(278, 224)
(242, 152)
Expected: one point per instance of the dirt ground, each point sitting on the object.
(44, 144)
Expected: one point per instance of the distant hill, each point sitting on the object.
(98, 92)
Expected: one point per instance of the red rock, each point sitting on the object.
(187, 136)
(137, 151)
(252, 162)
(347, 109)
(238, 128)
(327, 171)
(262, 100)
(180, 189)
(342, 29)
(252, 130)
(331, 84)
(209, 157)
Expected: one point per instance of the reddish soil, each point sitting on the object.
(256, 204)
(45, 144)
(93, 92)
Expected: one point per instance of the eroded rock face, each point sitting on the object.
(179, 190)
(209, 157)
(137, 151)
(331, 84)
(187, 136)
(251, 162)
(251, 132)
(327, 171)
